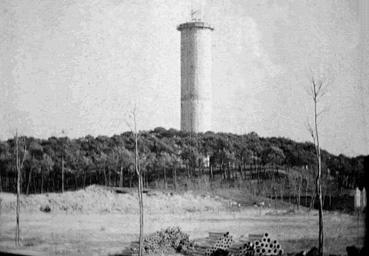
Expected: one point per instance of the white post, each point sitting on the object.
(357, 202)
(363, 198)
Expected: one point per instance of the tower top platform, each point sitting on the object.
(195, 24)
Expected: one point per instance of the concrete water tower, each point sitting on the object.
(196, 60)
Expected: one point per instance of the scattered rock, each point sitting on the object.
(45, 208)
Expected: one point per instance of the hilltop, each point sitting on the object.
(171, 159)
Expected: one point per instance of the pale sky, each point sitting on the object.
(81, 66)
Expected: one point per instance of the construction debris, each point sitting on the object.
(257, 245)
(267, 246)
(223, 242)
(170, 240)
(173, 239)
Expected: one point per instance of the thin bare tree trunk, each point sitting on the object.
(330, 198)
(165, 178)
(42, 181)
(143, 180)
(175, 178)
(76, 180)
(29, 180)
(105, 178)
(140, 198)
(323, 194)
(275, 197)
(283, 184)
(17, 232)
(228, 172)
(317, 92)
(258, 181)
(109, 177)
(299, 193)
(141, 213)
(318, 181)
(289, 192)
(312, 200)
(240, 172)
(84, 179)
(121, 177)
(62, 174)
(306, 191)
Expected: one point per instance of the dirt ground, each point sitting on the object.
(100, 222)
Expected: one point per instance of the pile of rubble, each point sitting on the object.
(169, 240)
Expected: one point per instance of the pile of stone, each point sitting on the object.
(169, 240)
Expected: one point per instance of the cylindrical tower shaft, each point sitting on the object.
(196, 62)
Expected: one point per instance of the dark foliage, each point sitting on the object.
(109, 160)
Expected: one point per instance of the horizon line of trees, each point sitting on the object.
(51, 163)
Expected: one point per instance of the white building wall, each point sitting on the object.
(196, 62)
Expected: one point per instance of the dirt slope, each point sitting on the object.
(97, 199)
(98, 221)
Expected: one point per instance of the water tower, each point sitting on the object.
(196, 60)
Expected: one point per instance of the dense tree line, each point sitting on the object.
(164, 154)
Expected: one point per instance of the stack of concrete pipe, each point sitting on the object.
(221, 241)
(255, 245)
(264, 245)
(247, 249)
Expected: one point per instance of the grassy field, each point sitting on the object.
(97, 221)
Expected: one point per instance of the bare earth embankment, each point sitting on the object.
(97, 221)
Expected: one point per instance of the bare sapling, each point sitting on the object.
(19, 166)
(317, 90)
(62, 174)
(306, 190)
(62, 169)
(139, 175)
(299, 191)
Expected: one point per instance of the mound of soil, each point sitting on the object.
(98, 199)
